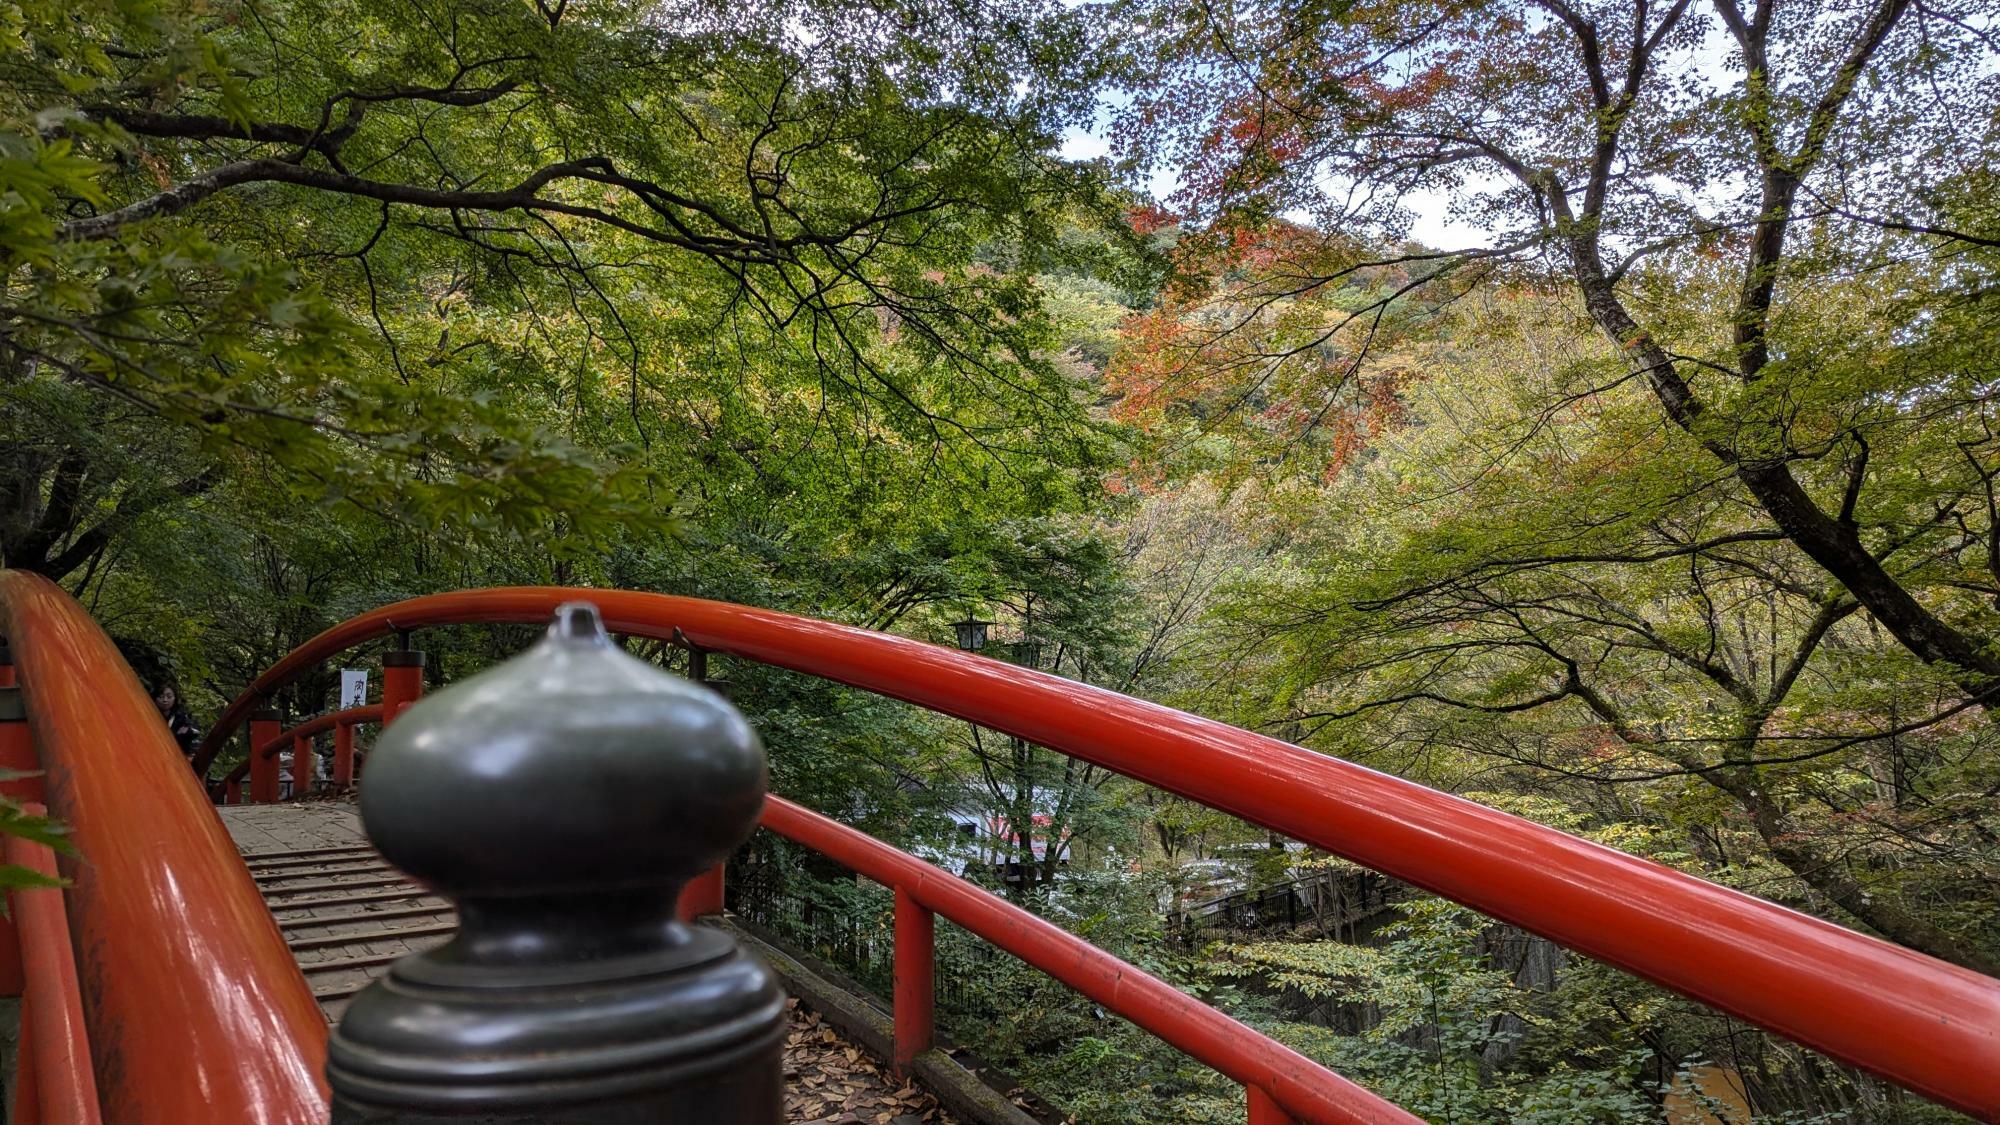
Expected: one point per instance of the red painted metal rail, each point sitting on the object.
(196, 1010)
(56, 1084)
(1305, 1089)
(341, 723)
(353, 716)
(1930, 1026)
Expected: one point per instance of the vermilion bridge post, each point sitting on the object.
(265, 725)
(402, 681)
(302, 765)
(916, 980)
(343, 756)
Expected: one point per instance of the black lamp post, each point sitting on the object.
(971, 633)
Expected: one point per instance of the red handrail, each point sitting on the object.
(336, 721)
(370, 713)
(1303, 1087)
(55, 1052)
(196, 1010)
(1928, 1025)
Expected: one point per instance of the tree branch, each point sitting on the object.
(523, 196)
(130, 508)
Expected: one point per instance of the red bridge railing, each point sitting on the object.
(194, 1008)
(261, 764)
(1925, 1024)
(1281, 1084)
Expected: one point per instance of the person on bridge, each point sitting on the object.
(186, 735)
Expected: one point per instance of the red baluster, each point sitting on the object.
(343, 755)
(52, 1025)
(27, 1089)
(402, 682)
(302, 766)
(916, 964)
(1265, 1110)
(264, 727)
(702, 897)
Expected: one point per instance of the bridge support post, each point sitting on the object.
(302, 766)
(265, 725)
(402, 682)
(916, 980)
(1265, 1110)
(564, 800)
(343, 756)
(703, 896)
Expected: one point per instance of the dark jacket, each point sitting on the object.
(186, 735)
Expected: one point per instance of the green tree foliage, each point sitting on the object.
(1692, 177)
(313, 306)
(18, 822)
(1456, 1029)
(1537, 575)
(522, 271)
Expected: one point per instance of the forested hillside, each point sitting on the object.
(1585, 408)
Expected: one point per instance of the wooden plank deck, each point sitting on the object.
(346, 914)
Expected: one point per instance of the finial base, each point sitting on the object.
(703, 1032)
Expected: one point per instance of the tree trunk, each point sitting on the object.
(1834, 544)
